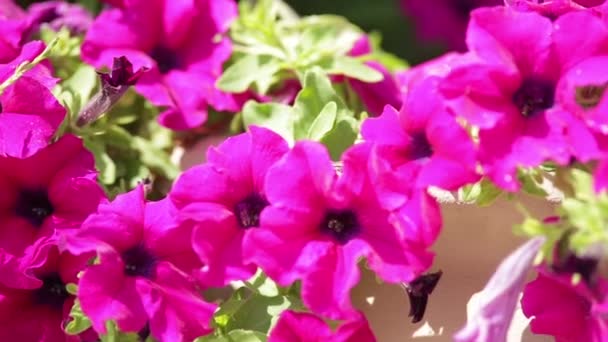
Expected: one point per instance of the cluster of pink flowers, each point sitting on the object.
(532, 91)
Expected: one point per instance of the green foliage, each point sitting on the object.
(587, 213)
(272, 44)
(318, 114)
(482, 193)
(113, 334)
(79, 322)
(254, 307)
(236, 336)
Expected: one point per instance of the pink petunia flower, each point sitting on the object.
(181, 42)
(379, 94)
(29, 117)
(223, 199)
(553, 8)
(444, 21)
(510, 93)
(54, 189)
(38, 310)
(319, 225)
(304, 327)
(423, 141)
(58, 14)
(141, 277)
(14, 30)
(568, 312)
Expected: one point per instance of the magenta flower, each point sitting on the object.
(375, 95)
(423, 141)
(60, 14)
(142, 274)
(14, 30)
(223, 200)
(510, 93)
(553, 8)
(179, 42)
(43, 299)
(54, 189)
(444, 21)
(319, 225)
(568, 312)
(29, 117)
(304, 327)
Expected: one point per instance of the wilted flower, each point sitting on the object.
(181, 43)
(113, 86)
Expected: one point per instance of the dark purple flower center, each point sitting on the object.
(342, 225)
(166, 59)
(584, 266)
(139, 262)
(420, 147)
(34, 206)
(248, 211)
(144, 333)
(52, 293)
(533, 96)
(464, 7)
(418, 292)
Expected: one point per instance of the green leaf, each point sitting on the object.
(79, 322)
(275, 116)
(351, 67)
(115, 335)
(312, 99)
(341, 137)
(324, 121)
(81, 85)
(155, 158)
(239, 335)
(258, 69)
(103, 162)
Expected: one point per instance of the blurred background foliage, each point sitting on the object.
(383, 16)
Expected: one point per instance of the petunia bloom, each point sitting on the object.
(319, 225)
(181, 43)
(58, 14)
(510, 93)
(553, 8)
(52, 190)
(568, 312)
(141, 276)
(223, 199)
(423, 141)
(379, 94)
(14, 30)
(444, 21)
(304, 327)
(43, 299)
